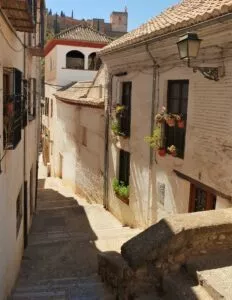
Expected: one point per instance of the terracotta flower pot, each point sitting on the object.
(171, 122)
(162, 152)
(181, 124)
(173, 154)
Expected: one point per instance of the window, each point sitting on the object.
(51, 108)
(31, 192)
(94, 62)
(25, 99)
(177, 103)
(75, 60)
(19, 212)
(32, 98)
(12, 107)
(46, 108)
(124, 167)
(201, 199)
(125, 118)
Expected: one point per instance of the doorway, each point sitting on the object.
(201, 199)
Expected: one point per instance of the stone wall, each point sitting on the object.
(164, 248)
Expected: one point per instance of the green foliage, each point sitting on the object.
(115, 127)
(155, 140)
(120, 188)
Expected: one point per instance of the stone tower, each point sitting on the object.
(119, 21)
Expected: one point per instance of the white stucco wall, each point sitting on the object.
(14, 171)
(208, 142)
(82, 162)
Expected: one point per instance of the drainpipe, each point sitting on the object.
(152, 121)
(106, 154)
(24, 158)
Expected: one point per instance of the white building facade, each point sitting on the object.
(146, 73)
(20, 92)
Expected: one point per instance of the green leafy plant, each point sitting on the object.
(155, 140)
(120, 188)
(115, 127)
(119, 109)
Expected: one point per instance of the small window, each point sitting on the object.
(94, 62)
(75, 60)
(124, 167)
(201, 199)
(19, 212)
(51, 108)
(177, 103)
(32, 98)
(125, 117)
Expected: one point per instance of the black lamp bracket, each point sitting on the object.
(210, 73)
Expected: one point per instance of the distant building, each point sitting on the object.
(117, 27)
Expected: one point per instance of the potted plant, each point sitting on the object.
(155, 141)
(119, 110)
(172, 150)
(180, 121)
(115, 127)
(160, 117)
(121, 190)
(170, 120)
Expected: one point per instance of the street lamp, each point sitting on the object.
(189, 46)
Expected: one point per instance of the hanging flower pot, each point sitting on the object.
(171, 122)
(172, 150)
(181, 123)
(162, 152)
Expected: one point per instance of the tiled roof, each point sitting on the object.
(83, 32)
(80, 93)
(184, 14)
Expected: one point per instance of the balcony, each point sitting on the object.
(21, 13)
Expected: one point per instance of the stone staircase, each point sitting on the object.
(66, 237)
(90, 288)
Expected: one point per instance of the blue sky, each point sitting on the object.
(139, 10)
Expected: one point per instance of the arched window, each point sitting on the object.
(94, 62)
(75, 60)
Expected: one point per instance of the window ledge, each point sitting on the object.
(124, 200)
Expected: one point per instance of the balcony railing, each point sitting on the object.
(21, 13)
(12, 121)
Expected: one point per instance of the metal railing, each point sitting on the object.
(12, 121)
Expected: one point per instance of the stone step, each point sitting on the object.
(110, 236)
(67, 288)
(180, 286)
(214, 272)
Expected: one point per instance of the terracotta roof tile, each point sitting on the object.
(183, 14)
(83, 32)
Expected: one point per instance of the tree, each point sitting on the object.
(72, 14)
(50, 12)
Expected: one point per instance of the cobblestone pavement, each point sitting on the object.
(67, 233)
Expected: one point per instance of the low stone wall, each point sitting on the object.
(168, 244)
(164, 248)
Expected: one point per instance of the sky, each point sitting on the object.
(139, 11)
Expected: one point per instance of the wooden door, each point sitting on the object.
(201, 199)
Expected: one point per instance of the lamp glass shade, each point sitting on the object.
(188, 46)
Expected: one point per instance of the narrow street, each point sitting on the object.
(60, 261)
